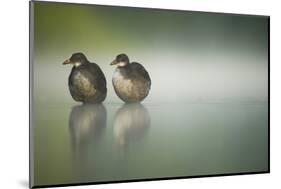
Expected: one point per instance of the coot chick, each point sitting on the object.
(131, 81)
(86, 81)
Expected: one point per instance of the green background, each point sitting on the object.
(207, 108)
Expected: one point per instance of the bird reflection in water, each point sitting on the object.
(131, 123)
(87, 124)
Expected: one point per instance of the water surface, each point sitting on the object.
(206, 112)
(109, 142)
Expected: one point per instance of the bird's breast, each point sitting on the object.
(120, 81)
(82, 83)
(118, 75)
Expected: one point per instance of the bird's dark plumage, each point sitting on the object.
(86, 81)
(131, 81)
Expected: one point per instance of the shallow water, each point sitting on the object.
(76, 143)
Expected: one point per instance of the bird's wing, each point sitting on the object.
(96, 76)
(140, 70)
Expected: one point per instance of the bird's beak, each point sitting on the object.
(67, 62)
(113, 62)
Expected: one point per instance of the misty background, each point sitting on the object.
(206, 113)
(190, 56)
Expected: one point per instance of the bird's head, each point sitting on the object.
(121, 60)
(76, 59)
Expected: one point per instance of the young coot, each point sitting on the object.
(86, 81)
(131, 81)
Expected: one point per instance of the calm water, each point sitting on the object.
(91, 143)
(190, 57)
